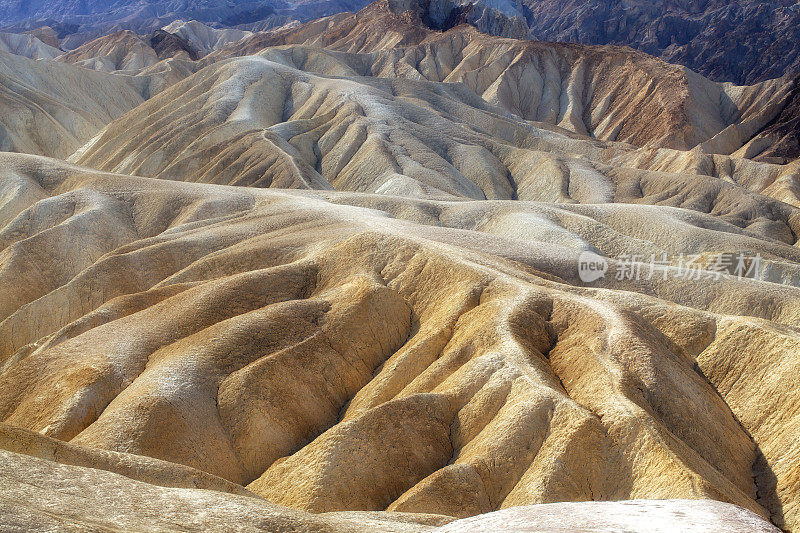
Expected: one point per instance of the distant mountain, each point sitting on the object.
(14, 11)
(79, 21)
(743, 41)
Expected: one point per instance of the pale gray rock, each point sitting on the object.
(640, 516)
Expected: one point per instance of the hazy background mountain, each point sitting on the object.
(77, 22)
(742, 41)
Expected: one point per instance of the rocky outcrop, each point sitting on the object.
(167, 45)
(502, 18)
(203, 38)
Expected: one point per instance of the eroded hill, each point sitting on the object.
(341, 352)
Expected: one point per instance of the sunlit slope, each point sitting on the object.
(353, 351)
(611, 93)
(52, 109)
(256, 121)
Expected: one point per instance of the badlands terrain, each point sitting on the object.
(326, 278)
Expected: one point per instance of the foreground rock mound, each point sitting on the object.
(643, 516)
(41, 493)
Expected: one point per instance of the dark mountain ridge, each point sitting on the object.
(741, 41)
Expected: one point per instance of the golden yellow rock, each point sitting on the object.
(338, 357)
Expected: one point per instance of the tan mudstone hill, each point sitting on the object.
(123, 50)
(604, 92)
(203, 38)
(150, 62)
(51, 109)
(27, 46)
(264, 121)
(611, 93)
(349, 351)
